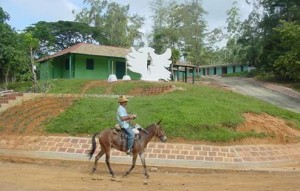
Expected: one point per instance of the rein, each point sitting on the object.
(156, 131)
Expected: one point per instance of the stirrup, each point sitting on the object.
(129, 152)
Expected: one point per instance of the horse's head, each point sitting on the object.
(159, 132)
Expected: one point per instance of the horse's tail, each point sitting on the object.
(91, 153)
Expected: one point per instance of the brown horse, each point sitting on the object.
(109, 138)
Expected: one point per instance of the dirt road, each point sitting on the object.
(46, 175)
(256, 89)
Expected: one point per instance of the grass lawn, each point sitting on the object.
(192, 112)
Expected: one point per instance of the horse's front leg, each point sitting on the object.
(134, 157)
(142, 156)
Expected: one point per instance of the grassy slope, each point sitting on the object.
(196, 112)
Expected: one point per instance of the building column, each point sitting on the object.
(70, 66)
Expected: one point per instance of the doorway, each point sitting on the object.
(120, 69)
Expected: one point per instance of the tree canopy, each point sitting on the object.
(56, 36)
(113, 21)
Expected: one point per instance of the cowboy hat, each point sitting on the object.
(123, 98)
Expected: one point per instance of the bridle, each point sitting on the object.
(159, 132)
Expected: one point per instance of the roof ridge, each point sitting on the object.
(103, 45)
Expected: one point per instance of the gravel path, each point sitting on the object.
(277, 95)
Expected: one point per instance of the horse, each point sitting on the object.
(110, 138)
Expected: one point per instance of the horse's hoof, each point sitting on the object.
(147, 176)
(116, 179)
(93, 170)
(125, 174)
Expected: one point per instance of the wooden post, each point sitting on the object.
(177, 73)
(193, 75)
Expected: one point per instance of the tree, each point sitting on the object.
(250, 37)
(233, 49)
(9, 54)
(273, 48)
(192, 27)
(30, 45)
(179, 26)
(113, 21)
(287, 66)
(165, 32)
(56, 36)
(212, 53)
(119, 28)
(93, 15)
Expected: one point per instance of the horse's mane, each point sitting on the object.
(150, 126)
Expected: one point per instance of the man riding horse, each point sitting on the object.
(110, 138)
(124, 119)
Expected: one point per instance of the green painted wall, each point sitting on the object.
(230, 69)
(45, 71)
(219, 71)
(99, 71)
(75, 66)
(50, 70)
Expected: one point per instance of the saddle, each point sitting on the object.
(121, 132)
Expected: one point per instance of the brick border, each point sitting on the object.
(168, 153)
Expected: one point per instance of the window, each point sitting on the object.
(89, 64)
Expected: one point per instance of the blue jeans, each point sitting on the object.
(130, 137)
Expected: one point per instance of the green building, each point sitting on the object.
(86, 61)
(222, 69)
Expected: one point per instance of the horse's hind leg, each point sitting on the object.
(96, 160)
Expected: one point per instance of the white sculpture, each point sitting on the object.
(151, 66)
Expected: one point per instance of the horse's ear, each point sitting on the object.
(159, 122)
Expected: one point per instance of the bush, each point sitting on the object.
(20, 86)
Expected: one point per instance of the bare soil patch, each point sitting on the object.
(279, 130)
(93, 84)
(29, 117)
(136, 91)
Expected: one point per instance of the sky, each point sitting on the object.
(23, 13)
